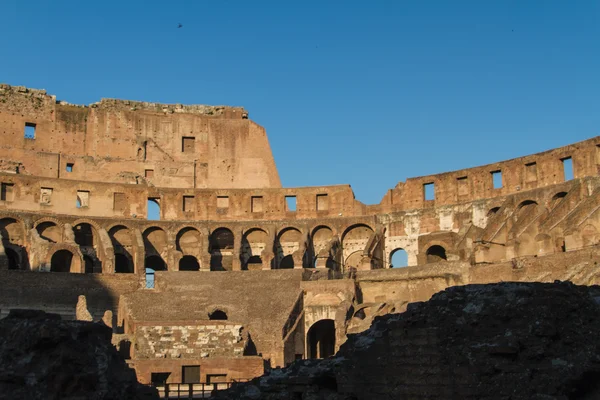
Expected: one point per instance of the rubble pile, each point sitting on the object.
(497, 341)
(43, 357)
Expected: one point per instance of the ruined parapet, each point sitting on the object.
(198, 109)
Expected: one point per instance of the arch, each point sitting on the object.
(120, 236)
(155, 263)
(61, 261)
(189, 263)
(50, 231)
(493, 211)
(353, 260)
(254, 241)
(14, 261)
(436, 253)
(356, 230)
(557, 199)
(525, 203)
(155, 240)
(287, 262)
(320, 238)
(123, 264)
(355, 239)
(12, 231)
(398, 258)
(85, 234)
(153, 206)
(221, 249)
(189, 241)
(321, 339)
(217, 315)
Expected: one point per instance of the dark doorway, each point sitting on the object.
(321, 339)
(189, 263)
(61, 261)
(89, 264)
(218, 315)
(122, 264)
(436, 253)
(13, 259)
(287, 262)
(190, 373)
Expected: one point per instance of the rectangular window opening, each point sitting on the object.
(119, 202)
(256, 204)
(148, 173)
(290, 203)
(70, 167)
(29, 130)
(188, 203)
(322, 202)
(190, 373)
(531, 172)
(187, 144)
(46, 195)
(496, 179)
(463, 186)
(216, 378)
(568, 168)
(222, 202)
(7, 192)
(83, 199)
(429, 191)
(159, 378)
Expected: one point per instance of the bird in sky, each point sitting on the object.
(179, 25)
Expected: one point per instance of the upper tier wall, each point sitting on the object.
(126, 141)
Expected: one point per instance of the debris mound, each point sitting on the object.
(497, 341)
(43, 357)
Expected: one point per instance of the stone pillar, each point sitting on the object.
(236, 264)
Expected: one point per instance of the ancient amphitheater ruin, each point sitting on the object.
(238, 273)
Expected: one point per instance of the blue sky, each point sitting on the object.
(356, 92)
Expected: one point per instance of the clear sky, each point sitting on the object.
(365, 93)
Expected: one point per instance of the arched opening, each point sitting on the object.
(13, 259)
(287, 262)
(354, 241)
(353, 261)
(84, 235)
(493, 211)
(557, 199)
(49, 231)
(221, 250)
(61, 261)
(155, 263)
(12, 231)
(155, 244)
(122, 264)
(153, 209)
(398, 258)
(321, 339)
(218, 315)
(254, 262)
(189, 241)
(189, 263)
(436, 253)
(89, 264)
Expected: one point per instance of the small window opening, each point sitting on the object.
(190, 373)
(149, 173)
(187, 144)
(399, 258)
(70, 167)
(222, 201)
(217, 315)
(7, 192)
(497, 179)
(322, 202)
(429, 191)
(29, 130)
(159, 378)
(530, 172)
(568, 168)
(290, 203)
(153, 209)
(83, 199)
(463, 186)
(188, 203)
(256, 204)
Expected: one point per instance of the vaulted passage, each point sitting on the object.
(123, 264)
(189, 263)
(61, 261)
(436, 253)
(321, 339)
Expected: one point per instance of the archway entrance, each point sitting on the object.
(61, 261)
(321, 339)
(436, 253)
(189, 263)
(122, 264)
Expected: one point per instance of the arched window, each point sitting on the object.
(84, 235)
(321, 339)
(61, 261)
(221, 249)
(398, 258)
(218, 315)
(436, 253)
(493, 211)
(189, 263)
